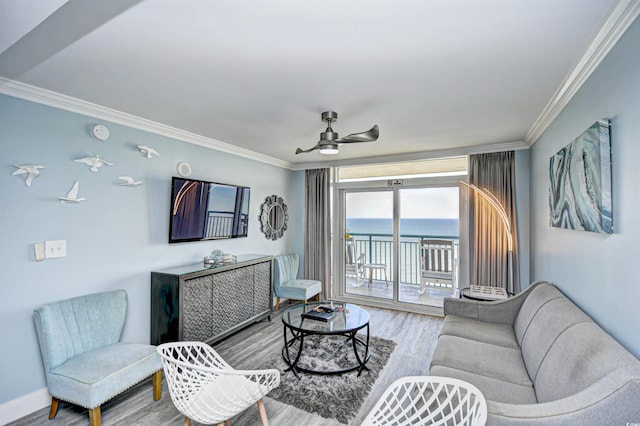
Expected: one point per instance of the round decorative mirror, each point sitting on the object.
(273, 217)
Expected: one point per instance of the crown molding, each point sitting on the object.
(71, 104)
(415, 156)
(618, 21)
(68, 103)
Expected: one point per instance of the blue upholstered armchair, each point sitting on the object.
(286, 285)
(84, 361)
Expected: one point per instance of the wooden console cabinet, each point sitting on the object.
(206, 304)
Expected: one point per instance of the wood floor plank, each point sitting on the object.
(415, 335)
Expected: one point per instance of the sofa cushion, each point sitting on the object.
(580, 356)
(493, 389)
(95, 376)
(550, 320)
(70, 327)
(285, 267)
(299, 289)
(534, 301)
(482, 331)
(489, 360)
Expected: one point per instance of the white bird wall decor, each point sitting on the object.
(93, 162)
(129, 181)
(72, 195)
(31, 170)
(148, 151)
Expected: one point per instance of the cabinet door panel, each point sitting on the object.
(232, 297)
(197, 314)
(262, 288)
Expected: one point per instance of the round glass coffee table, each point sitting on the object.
(346, 321)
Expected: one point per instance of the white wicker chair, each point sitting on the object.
(206, 389)
(429, 400)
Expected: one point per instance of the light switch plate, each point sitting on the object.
(38, 251)
(55, 248)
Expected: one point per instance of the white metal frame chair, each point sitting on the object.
(354, 265)
(429, 400)
(206, 389)
(437, 265)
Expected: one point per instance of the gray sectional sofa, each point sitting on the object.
(538, 359)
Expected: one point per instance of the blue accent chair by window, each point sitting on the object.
(286, 285)
(84, 361)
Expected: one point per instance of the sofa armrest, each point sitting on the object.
(461, 307)
(611, 400)
(499, 311)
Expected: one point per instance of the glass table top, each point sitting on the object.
(348, 317)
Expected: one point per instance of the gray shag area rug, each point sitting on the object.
(331, 396)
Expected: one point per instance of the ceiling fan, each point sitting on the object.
(329, 139)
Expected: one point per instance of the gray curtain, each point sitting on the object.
(488, 241)
(317, 247)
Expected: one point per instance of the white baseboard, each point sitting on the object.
(26, 404)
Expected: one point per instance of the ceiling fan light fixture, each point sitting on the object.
(330, 148)
(330, 140)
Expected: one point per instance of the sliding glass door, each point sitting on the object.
(429, 235)
(368, 243)
(383, 236)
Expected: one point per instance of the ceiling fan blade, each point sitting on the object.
(302, 151)
(368, 136)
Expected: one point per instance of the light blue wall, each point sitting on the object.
(522, 159)
(118, 235)
(599, 272)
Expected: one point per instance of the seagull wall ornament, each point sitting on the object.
(72, 195)
(129, 181)
(93, 162)
(148, 151)
(31, 170)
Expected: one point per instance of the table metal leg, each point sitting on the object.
(350, 335)
(287, 356)
(362, 361)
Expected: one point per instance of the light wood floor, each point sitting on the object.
(415, 335)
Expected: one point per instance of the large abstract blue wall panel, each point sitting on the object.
(580, 192)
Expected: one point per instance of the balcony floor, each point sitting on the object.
(408, 292)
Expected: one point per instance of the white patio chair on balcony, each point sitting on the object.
(437, 264)
(354, 265)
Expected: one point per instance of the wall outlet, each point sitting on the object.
(55, 248)
(38, 251)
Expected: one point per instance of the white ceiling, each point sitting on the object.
(435, 75)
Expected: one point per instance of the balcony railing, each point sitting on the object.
(378, 248)
(219, 225)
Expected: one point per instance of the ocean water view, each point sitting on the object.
(431, 227)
